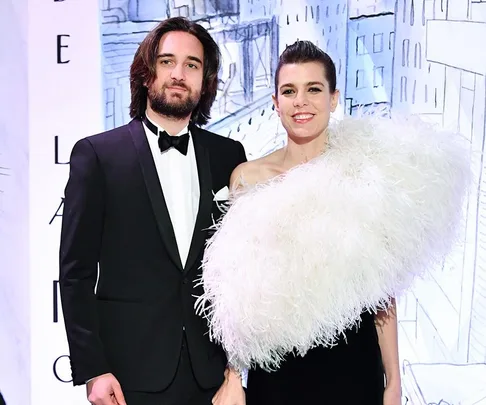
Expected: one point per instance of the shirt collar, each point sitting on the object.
(184, 130)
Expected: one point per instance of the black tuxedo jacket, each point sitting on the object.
(115, 217)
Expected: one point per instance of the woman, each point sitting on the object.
(319, 235)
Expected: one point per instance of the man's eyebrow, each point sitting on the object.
(171, 55)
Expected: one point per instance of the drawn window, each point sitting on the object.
(391, 41)
(417, 59)
(377, 43)
(378, 76)
(403, 89)
(337, 9)
(404, 11)
(412, 13)
(360, 79)
(423, 14)
(110, 102)
(405, 51)
(219, 7)
(360, 45)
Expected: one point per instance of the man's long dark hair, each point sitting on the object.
(143, 69)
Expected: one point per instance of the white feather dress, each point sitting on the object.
(296, 260)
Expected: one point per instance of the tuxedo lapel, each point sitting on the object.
(203, 219)
(154, 190)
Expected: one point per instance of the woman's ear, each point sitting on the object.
(275, 103)
(334, 100)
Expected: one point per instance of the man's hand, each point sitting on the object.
(105, 390)
(231, 391)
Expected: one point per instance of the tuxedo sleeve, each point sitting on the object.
(241, 154)
(81, 234)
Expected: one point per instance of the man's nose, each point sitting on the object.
(178, 73)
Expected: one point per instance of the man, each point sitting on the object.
(138, 203)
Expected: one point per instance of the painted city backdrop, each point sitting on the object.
(423, 56)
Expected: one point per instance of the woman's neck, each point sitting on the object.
(296, 153)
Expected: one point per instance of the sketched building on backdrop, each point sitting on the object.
(247, 40)
(418, 83)
(439, 73)
(323, 23)
(370, 39)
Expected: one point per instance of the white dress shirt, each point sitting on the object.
(180, 184)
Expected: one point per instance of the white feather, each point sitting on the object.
(296, 260)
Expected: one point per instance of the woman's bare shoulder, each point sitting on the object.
(255, 171)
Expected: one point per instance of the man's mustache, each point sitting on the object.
(177, 84)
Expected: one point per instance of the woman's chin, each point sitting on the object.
(301, 135)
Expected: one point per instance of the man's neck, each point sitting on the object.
(171, 126)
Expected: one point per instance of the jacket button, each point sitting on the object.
(185, 281)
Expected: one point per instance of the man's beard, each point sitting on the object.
(180, 109)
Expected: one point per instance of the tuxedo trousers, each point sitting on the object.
(183, 390)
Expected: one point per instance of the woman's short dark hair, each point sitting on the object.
(143, 69)
(303, 52)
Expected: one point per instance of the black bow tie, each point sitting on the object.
(181, 143)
